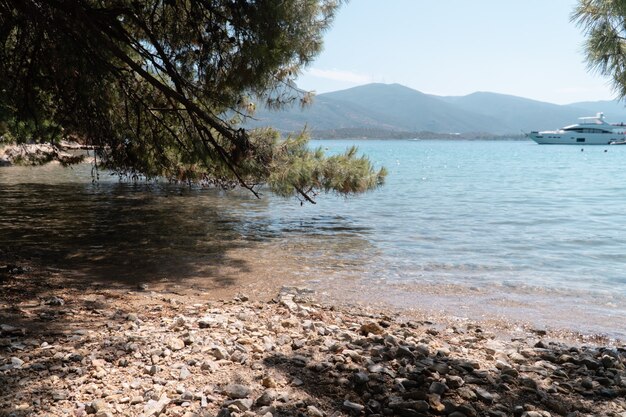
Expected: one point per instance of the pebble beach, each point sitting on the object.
(106, 352)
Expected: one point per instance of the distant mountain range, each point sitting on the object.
(393, 110)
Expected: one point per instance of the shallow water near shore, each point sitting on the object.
(482, 230)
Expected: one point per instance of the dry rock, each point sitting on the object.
(236, 391)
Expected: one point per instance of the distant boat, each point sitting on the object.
(589, 131)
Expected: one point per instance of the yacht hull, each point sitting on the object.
(553, 138)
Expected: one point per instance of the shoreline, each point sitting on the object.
(96, 349)
(445, 304)
(567, 316)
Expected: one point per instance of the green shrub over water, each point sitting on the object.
(148, 84)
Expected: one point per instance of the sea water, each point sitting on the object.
(492, 212)
(471, 229)
(484, 229)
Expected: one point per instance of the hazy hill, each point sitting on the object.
(411, 110)
(396, 108)
(325, 113)
(517, 113)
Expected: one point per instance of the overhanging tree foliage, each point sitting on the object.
(157, 87)
(604, 22)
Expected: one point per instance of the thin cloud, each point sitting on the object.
(339, 75)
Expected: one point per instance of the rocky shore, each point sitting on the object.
(39, 154)
(107, 352)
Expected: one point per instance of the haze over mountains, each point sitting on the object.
(393, 110)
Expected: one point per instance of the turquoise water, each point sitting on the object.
(484, 212)
(471, 229)
(509, 229)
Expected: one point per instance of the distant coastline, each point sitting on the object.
(369, 133)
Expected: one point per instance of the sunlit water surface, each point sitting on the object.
(472, 229)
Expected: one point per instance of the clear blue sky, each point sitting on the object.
(526, 48)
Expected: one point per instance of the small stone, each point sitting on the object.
(313, 411)
(7, 328)
(376, 368)
(298, 344)
(154, 408)
(175, 344)
(98, 363)
(484, 395)
(587, 383)
(608, 361)
(468, 410)
(137, 399)
(437, 388)
(266, 398)
(38, 367)
(370, 327)
(353, 407)
(59, 395)
(441, 368)
(219, 353)
(238, 357)
(241, 297)
(242, 405)
(360, 378)
(210, 366)
(608, 393)
(466, 393)
(454, 381)
(286, 300)
(269, 382)
(214, 320)
(224, 412)
(95, 406)
(511, 372)
(23, 406)
(423, 349)
(529, 382)
(55, 301)
(469, 365)
(186, 396)
(435, 404)
(16, 362)
(184, 373)
(236, 391)
(590, 363)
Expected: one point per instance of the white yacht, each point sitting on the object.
(589, 131)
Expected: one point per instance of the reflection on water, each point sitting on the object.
(143, 232)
